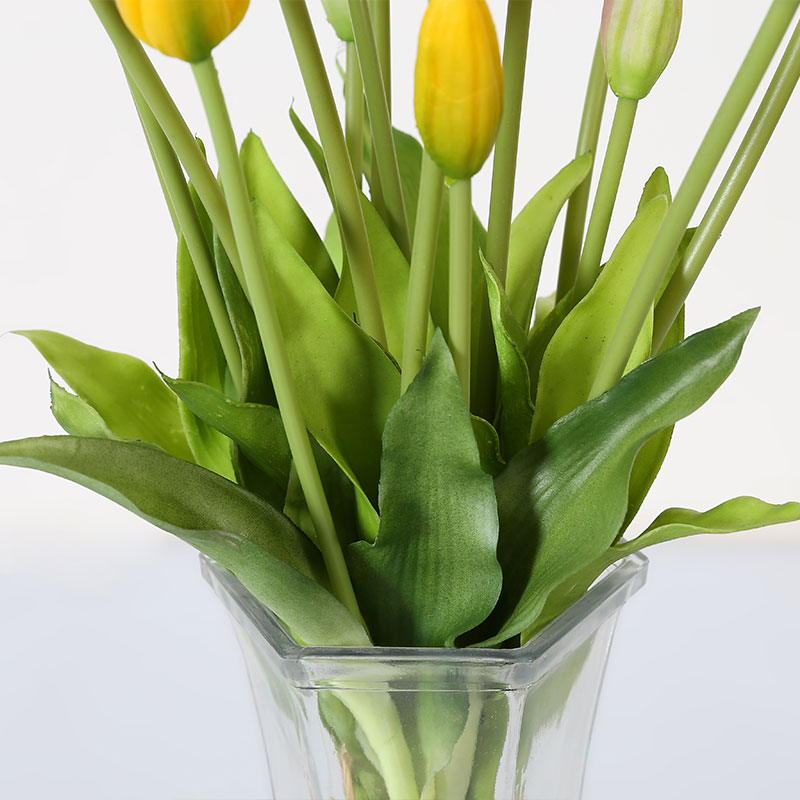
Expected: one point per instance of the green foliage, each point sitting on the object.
(432, 573)
(569, 490)
(265, 551)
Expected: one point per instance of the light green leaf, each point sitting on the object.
(333, 243)
(432, 573)
(346, 383)
(128, 395)
(314, 150)
(530, 233)
(516, 413)
(256, 429)
(489, 751)
(76, 416)
(265, 551)
(562, 501)
(573, 356)
(657, 185)
(268, 187)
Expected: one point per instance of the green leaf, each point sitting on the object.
(265, 551)
(333, 243)
(256, 429)
(733, 516)
(268, 187)
(492, 461)
(541, 335)
(346, 383)
(391, 276)
(572, 358)
(432, 573)
(201, 359)
(76, 416)
(561, 501)
(314, 150)
(657, 184)
(128, 395)
(530, 233)
(516, 413)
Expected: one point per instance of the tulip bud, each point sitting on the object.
(338, 15)
(458, 98)
(638, 38)
(185, 29)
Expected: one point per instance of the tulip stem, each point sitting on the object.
(606, 197)
(354, 113)
(270, 331)
(589, 133)
(515, 53)
(180, 200)
(382, 24)
(708, 156)
(347, 198)
(730, 190)
(380, 123)
(460, 294)
(144, 75)
(423, 259)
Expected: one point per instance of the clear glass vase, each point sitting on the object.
(430, 724)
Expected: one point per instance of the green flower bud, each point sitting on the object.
(639, 37)
(338, 15)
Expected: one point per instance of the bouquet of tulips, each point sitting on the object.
(385, 434)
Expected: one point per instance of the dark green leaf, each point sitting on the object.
(562, 501)
(492, 461)
(530, 233)
(129, 396)
(432, 573)
(265, 551)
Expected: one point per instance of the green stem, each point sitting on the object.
(515, 52)
(346, 194)
(380, 11)
(711, 150)
(140, 68)
(460, 296)
(606, 196)
(731, 189)
(423, 259)
(380, 123)
(354, 113)
(589, 133)
(269, 328)
(180, 199)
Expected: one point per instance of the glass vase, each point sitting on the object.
(430, 724)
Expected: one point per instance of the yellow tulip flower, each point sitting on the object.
(458, 97)
(185, 29)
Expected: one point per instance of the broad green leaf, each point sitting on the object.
(76, 416)
(432, 573)
(391, 276)
(346, 383)
(562, 501)
(129, 396)
(314, 150)
(201, 359)
(516, 412)
(268, 187)
(573, 356)
(733, 516)
(530, 233)
(265, 551)
(256, 429)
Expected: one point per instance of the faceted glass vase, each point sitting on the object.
(430, 724)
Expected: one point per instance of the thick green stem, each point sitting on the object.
(269, 329)
(380, 11)
(380, 124)
(515, 52)
(345, 192)
(354, 113)
(144, 75)
(423, 259)
(711, 150)
(607, 188)
(731, 189)
(460, 297)
(180, 199)
(589, 133)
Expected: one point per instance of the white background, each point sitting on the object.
(119, 677)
